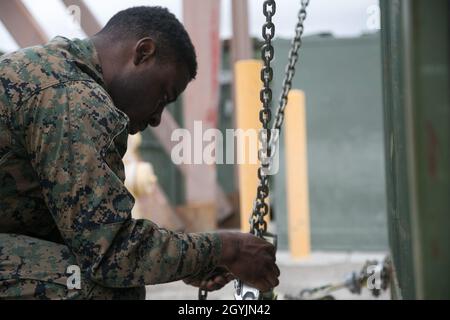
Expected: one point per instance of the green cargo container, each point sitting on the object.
(342, 82)
(416, 55)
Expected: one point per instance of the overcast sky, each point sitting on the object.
(343, 18)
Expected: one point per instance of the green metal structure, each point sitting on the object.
(343, 86)
(417, 139)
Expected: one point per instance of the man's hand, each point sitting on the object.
(215, 281)
(250, 259)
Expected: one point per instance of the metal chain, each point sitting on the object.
(354, 282)
(258, 225)
(267, 152)
(289, 75)
(202, 294)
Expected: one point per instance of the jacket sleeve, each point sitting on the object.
(68, 131)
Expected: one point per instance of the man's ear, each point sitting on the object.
(144, 50)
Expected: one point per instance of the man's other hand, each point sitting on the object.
(215, 281)
(250, 259)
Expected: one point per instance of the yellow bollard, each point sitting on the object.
(248, 105)
(297, 176)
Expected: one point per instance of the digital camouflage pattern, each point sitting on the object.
(36, 269)
(62, 194)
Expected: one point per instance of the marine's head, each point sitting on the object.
(148, 60)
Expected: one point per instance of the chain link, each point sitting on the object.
(289, 75)
(202, 294)
(258, 225)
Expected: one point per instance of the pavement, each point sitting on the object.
(320, 268)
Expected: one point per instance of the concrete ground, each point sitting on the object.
(319, 269)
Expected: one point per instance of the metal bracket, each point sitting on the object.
(245, 292)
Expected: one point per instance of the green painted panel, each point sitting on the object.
(431, 114)
(342, 82)
(417, 110)
(400, 237)
(226, 172)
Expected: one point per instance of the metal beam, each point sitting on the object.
(297, 176)
(241, 49)
(241, 44)
(247, 107)
(21, 24)
(201, 19)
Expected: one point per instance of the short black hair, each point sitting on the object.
(158, 22)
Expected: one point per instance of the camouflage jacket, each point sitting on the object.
(62, 177)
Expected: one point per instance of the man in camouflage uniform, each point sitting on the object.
(66, 109)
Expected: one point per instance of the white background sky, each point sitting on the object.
(343, 18)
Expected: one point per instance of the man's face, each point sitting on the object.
(146, 86)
